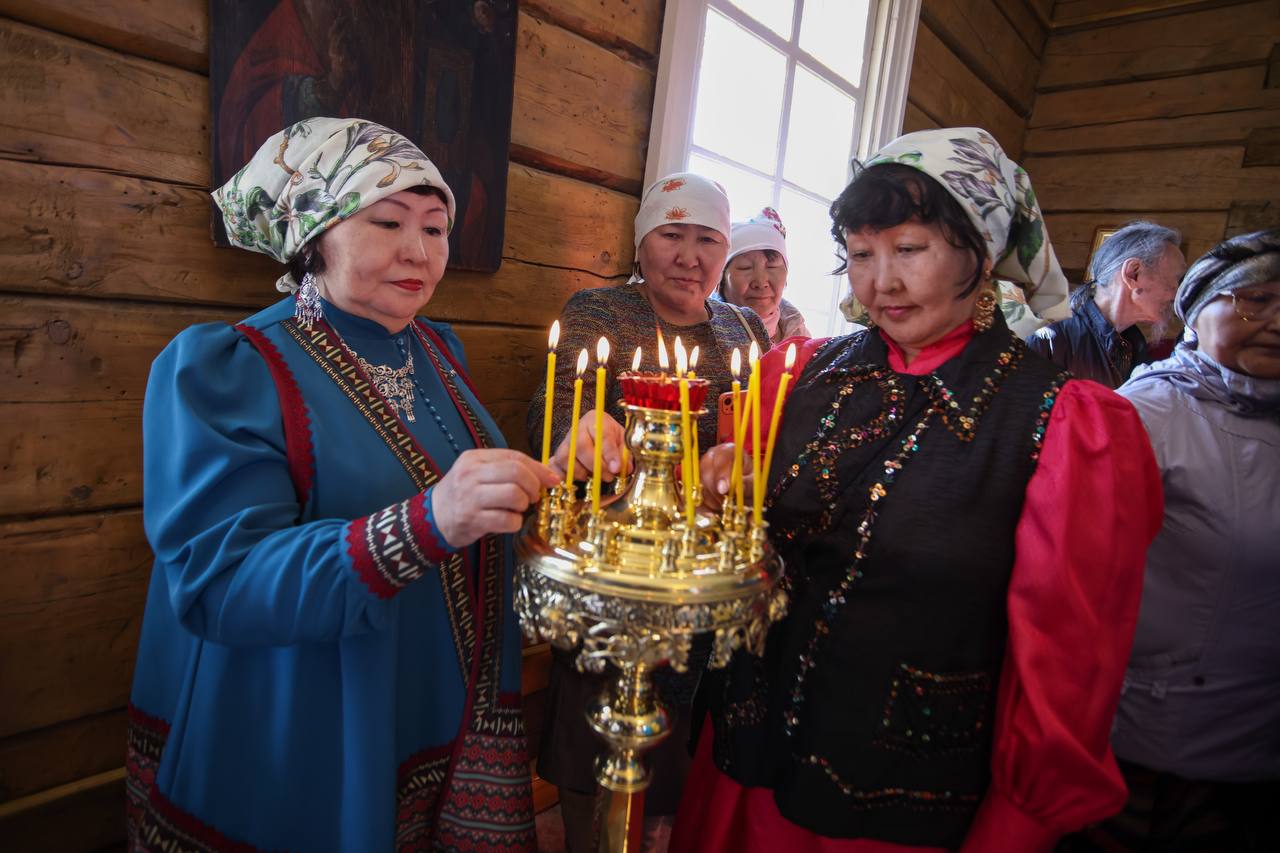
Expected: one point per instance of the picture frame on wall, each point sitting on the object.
(442, 73)
(1100, 234)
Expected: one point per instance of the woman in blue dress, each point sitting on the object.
(329, 659)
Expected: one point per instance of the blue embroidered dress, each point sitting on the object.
(318, 670)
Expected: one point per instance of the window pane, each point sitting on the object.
(774, 14)
(748, 193)
(835, 33)
(739, 104)
(810, 260)
(819, 135)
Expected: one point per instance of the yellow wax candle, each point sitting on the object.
(552, 340)
(777, 409)
(597, 466)
(573, 424)
(735, 477)
(626, 448)
(753, 400)
(686, 479)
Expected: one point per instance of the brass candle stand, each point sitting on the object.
(632, 585)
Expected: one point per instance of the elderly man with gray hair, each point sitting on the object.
(1133, 279)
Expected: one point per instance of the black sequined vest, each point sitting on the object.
(894, 503)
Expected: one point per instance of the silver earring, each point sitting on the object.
(307, 308)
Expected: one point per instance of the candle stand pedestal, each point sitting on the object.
(630, 587)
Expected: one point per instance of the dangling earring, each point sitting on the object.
(984, 308)
(307, 308)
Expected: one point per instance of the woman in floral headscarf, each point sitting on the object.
(755, 275)
(329, 659)
(963, 529)
(682, 240)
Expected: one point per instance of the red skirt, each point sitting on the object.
(716, 813)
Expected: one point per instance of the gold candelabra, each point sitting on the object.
(631, 586)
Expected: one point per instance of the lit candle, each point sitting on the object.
(663, 361)
(552, 340)
(573, 424)
(635, 368)
(735, 478)
(686, 481)
(777, 408)
(682, 357)
(597, 467)
(695, 454)
(753, 400)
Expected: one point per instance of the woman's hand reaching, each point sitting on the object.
(611, 457)
(487, 491)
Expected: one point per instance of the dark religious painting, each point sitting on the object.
(441, 72)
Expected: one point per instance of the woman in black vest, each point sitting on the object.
(964, 530)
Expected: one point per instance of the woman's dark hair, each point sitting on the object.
(309, 259)
(889, 194)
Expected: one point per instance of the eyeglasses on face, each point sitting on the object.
(1255, 305)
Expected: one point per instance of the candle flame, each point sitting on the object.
(753, 354)
(553, 339)
(663, 361)
(791, 357)
(635, 361)
(582, 360)
(682, 359)
(602, 350)
(693, 357)
(735, 363)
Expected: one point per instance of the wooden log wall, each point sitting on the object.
(1160, 109)
(105, 255)
(976, 64)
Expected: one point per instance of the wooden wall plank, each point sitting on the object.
(1231, 127)
(173, 32)
(1207, 178)
(71, 596)
(915, 119)
(85, 233)
(1072, 233)
(946, 89)
(54, 755)
(84, 815)
(633, 25)
(574, 100)
(1162, 46)
(1028, 25)
(1172, 97)
(1075, 13)
(580, 103)
(53, 102)
(68, 457)
(977, 32)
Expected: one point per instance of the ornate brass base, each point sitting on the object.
(630, 587)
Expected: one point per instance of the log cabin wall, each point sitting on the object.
(976, 64)
(1162, 109)
(105, 255)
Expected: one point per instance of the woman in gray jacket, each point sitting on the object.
(1198, 727)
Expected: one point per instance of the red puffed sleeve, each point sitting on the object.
(1092, 507)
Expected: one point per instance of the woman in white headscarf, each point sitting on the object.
(755, 275)
(682, 237)
(964, 529)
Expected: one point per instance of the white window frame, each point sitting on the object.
(881, 99)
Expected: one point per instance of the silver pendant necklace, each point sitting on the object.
(395, 384)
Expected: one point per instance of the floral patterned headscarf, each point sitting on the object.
(996, 193)
(314, 174)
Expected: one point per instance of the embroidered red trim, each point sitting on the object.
(395, 546)
(363, 562)
(453, 362)
(297, 423)
(168, 827)
(425, 533)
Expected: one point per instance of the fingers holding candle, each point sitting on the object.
(585, 449)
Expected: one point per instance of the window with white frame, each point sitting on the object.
(773, 99)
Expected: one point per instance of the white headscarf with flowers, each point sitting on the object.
(682, 199)
(996, 194)
(314, 174)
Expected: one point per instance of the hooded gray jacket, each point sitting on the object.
(1201, 697)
